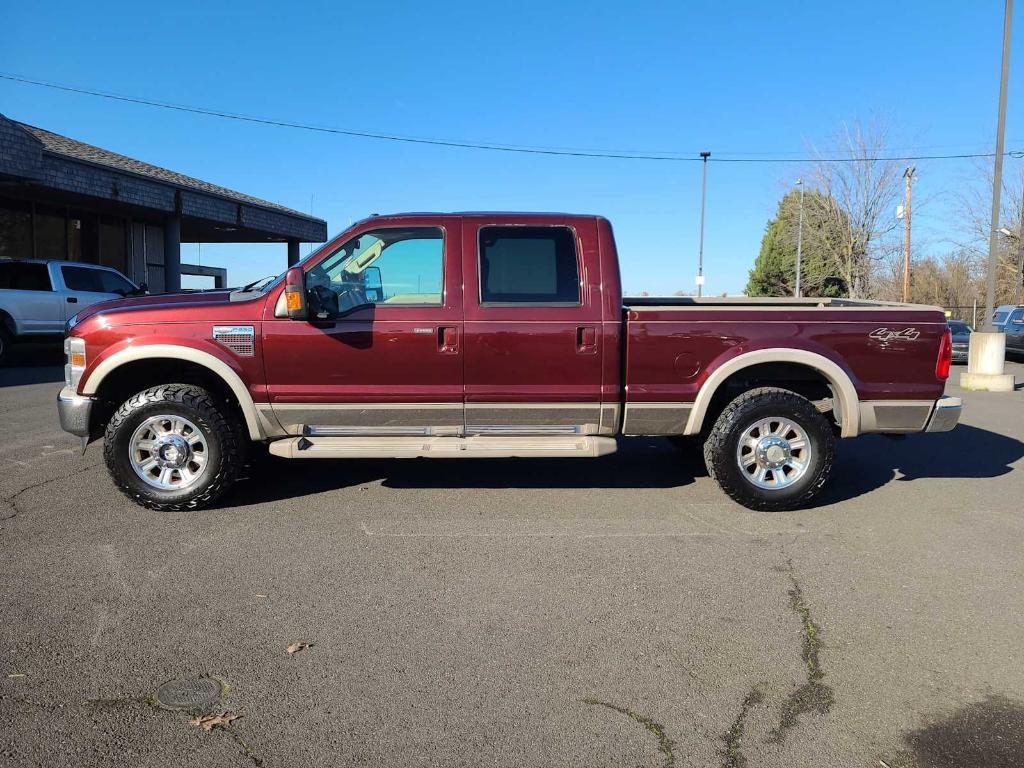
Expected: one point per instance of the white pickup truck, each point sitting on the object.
(38, 297)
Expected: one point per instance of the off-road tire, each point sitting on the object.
(218, 424)
(722, 441)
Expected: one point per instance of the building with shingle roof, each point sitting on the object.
(61, 198)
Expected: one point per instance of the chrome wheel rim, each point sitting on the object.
(774, 453)
(168, 452)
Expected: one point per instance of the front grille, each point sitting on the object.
(240, 339)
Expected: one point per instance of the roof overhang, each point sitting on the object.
(51, 170)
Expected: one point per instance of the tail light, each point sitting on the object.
(945, 356)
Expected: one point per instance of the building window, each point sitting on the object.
(15, 230)
(51, 235)
(528, 265)
(83, 237)
(113, 244)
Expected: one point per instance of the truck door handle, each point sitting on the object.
(72, 300)
(448, 340)
(586, 339)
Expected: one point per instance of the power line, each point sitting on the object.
(480, 145)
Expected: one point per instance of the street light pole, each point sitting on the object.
(987, 350)
(700, 252)
(799, 238)
(993, 245)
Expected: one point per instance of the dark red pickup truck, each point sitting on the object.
(490, 334)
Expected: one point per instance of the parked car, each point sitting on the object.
(37, 297)
(1001, 314)
(961, 339)
(1014, 330)
(482, 335)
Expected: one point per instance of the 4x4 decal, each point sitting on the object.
(888, 334)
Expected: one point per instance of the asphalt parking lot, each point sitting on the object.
(610, 612)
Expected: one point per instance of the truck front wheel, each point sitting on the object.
(173, 448)
(770, 449)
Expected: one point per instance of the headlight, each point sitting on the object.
(74, 350)
(70, 324)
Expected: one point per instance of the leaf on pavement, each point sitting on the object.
(214, 720)
(296, 647)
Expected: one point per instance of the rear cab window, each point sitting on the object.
(24, 276)
(528, 265)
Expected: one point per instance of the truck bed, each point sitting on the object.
(876, 357)
(748, 301)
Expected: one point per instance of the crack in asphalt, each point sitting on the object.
(12, 500)
(665, 744)
(813, 695)
(732, 750)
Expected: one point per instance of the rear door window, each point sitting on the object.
(23, 276)
(528, 265)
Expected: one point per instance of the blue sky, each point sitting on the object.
(739, 77)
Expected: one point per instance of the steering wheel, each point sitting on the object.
(323, 301)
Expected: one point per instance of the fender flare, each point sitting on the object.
(842, 386)
(192, 355)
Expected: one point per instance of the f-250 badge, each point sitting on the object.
(888, 334)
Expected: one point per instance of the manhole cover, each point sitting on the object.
(190, 693)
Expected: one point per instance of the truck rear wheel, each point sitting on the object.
(770, 449)
(173, 448)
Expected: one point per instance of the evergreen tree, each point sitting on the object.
(774, 272)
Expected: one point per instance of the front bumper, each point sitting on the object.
(945, 415)
(74, 411)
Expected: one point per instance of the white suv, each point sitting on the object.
(38, 297)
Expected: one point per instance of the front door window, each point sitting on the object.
(393, 267)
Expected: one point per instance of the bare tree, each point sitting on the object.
(859, 198)
(973, 209)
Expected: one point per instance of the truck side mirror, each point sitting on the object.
(373, 286)
(295, 294)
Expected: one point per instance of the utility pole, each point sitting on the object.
(997, 181)
(700, 252)
(908, 176)
(799, 238)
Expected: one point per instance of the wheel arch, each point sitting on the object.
(837, 378)
(215, 366)
(8, 322)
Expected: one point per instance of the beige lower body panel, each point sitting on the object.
(656, 418)
(477, 446)
(437, 419)
(894, 416)
(533, 418)
(366, 418)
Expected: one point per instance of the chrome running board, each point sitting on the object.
(476, 446)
